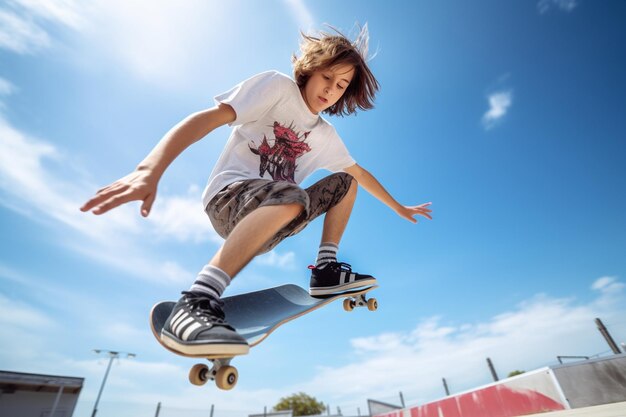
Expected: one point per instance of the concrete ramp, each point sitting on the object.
(577, 389)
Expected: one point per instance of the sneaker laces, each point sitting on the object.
(206, 306)
(341, 265)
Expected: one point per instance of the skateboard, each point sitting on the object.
(255, 315)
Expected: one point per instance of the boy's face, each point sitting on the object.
(326, 86)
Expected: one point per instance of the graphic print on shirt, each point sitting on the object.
(279, 160)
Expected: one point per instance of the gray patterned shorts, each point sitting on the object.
(240, 198)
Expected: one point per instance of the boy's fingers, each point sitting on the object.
(93, 202)
(103, 194)
(88, 205)
(113, 202)
(147, 205)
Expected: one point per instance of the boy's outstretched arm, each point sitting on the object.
(141, 184)
(375, 188)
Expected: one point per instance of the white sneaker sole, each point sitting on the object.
(205, 349)
(338, 289)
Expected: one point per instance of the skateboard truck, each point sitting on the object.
(360, 301)
(224, 375)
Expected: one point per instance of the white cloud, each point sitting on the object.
(608, 285)
(22, 315)
(63, 12)
(158, 40)
(301, 12)
(274, 259)
(21, 35)
(182, 218)
(23, 330)
(6, 87)
(37, 181)
(22, 23)
(499, 104)
(564, 5)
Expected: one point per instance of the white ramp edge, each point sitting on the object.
(606, 410)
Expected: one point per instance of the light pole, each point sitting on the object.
(112, 355)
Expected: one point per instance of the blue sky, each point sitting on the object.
(508, 116)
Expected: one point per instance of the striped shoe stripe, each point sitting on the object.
(344, 278)
(189, 330)
(179, 327)
(184, 326)
(177, 319)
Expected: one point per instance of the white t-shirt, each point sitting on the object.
(275, 136)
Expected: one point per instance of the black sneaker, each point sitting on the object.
(197, 326)
(337, 277)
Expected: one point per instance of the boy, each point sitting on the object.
(252, 197)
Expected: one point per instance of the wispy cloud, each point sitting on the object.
(6, 87)
(275, 259)
(608, 285)
(37, 181)
(499, 105)
(302, 13)
(147, 45)
(63, 12)
(182, 218)
(23, 23)
(563, 5)
(21, 35)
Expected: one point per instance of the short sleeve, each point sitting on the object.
(252, 98)
(337, 156)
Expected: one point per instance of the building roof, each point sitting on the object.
(18, 381)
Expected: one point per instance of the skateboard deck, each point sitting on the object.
(255, 315)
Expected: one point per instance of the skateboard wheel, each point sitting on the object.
(198, 375)
(348, 304)
(372, 304)
(226, 377)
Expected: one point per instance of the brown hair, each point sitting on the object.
(329, 50)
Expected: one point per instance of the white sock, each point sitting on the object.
(211, 280)
(327, 253)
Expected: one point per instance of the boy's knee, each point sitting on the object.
(342, 180)
(299, 203)
(350, 182)
(354, 185)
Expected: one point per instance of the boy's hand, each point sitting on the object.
(409, 211)
(138, 185)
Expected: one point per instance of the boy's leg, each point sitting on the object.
(197, 324)
(337, 217)
(251, 234)
(333, 196)
(335, 223)
(242, 244)
(329, 276)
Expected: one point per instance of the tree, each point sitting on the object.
(301, 404)
(515, 373)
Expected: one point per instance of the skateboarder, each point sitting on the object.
(252, 197)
